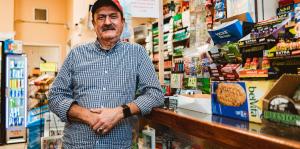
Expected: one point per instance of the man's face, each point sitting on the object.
(108, 23)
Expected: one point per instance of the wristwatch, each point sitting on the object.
(126, 111)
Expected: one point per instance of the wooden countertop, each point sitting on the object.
(227, 131)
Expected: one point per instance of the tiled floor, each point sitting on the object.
(14, 146)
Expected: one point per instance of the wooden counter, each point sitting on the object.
(229, 132)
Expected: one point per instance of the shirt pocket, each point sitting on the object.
(123, 80)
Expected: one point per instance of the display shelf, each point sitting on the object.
(177, 56)
(16, 141)
(257, 42)
(181, 40)
(179, 72)
(156, 44)
(228, 132)
(141, 41)
(14, 78)
(253, 74)
(183, 28)
(16, 97)
(284, 57)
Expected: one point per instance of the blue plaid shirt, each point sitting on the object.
(96, 78)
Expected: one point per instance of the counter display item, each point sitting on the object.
(198, 102)
(240, 99)
(281, 104)
(51, 142)
(148, 138)
(219, 10)
(227, 32)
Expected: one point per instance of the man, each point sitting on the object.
(95, 89)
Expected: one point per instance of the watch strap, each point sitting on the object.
(126, 111)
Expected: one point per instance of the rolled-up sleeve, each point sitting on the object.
(61, 93)
(148, 85)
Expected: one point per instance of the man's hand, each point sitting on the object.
(101, 120)
(105, 119)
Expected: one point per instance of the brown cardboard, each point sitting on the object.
(241, 17)
(285, 85)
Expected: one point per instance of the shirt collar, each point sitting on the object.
(113, 49)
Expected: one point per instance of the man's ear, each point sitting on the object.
(93, 21)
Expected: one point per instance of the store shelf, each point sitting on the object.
(228, 132)
(257, 42)
(179, 29)
(16, 97)
(177, 72)
(177, 56)
(140, 40)
(175, 41)
(253, 74)
(284, 57)
(14, 78)
(156, 44)
(16, 141)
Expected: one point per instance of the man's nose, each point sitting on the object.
(107, 20)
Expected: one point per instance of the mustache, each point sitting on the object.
(108, 27)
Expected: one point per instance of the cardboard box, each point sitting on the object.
(239, 99)
(285, 86)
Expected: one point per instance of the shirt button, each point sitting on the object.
(105, 71)
(104, 88)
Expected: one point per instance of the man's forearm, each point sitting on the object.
(78, 113)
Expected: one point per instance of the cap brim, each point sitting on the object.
(101, 3)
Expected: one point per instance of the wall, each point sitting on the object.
(138, 21)
(7, 16)
(266, 9)
(53, 32)
(50, 53)
(80, 33)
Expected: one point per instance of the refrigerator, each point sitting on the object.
(13, 92)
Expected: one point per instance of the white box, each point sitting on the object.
(198, 102)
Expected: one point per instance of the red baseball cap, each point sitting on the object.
(100, 3)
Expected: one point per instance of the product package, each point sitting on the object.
(281, 103)
(239, 99)
(231, 31)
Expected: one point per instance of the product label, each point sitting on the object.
(255, 92)
(282, 117)
(284, 11)
(48, 67)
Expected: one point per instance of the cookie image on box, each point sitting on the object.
(230, 94)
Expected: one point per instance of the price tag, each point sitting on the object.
(192, 82)
(48, 67)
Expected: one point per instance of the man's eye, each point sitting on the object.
(113, 16)
(101, 17)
